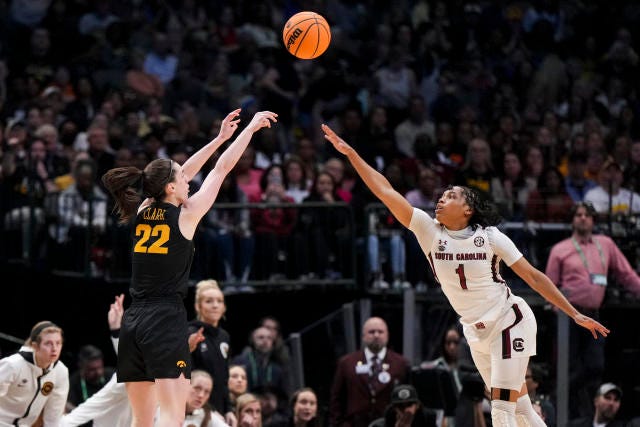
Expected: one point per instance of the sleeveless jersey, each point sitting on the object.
(468, 269)
(162, 256)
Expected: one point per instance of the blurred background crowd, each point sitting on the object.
(533, 103)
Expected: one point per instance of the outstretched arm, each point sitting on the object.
(545, 287)
(377, 183)
(201, 201)
(229, 125)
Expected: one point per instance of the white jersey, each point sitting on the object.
(468, 268)
(108, 407)
(26, 390)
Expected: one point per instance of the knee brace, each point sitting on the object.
(526, 416)
(503, 413)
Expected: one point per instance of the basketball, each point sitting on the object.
(306, 35)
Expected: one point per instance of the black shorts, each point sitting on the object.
(153, 341)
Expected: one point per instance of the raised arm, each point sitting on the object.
(193, 165)
(545, 287)
(377, 183)
(198, 204)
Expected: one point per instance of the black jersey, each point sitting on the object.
(161, 254)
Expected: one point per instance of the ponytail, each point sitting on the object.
(129, 185)
(126, 186)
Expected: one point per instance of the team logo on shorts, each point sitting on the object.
(181, 364)
(518, 344)
(224, 349)
(46, 388)
(478, 241)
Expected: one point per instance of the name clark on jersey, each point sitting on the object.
(448, 256)
(155, 214)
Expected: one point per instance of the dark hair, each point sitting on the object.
(128, 185)
(89, 353)
(484, 212)
(264, 179)
(315, 421)
(591, 211)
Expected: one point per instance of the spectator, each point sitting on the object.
(576, 184)
(364, 379)
(259, 363)
(406, 410)
(606, 405)
(535, 380)
(90, 376)
(34, 381)
(272, 225)
(549, 202)
(415, 124)
(198, 412)
(609, 197)
(324, 232)
(225, 238)
(248, 411)
(81, 217)
(237, 384)
(581, 267)
(303, 410)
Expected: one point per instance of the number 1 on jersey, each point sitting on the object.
(463, 279)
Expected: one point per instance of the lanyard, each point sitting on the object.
(254, 370)
(584, 258)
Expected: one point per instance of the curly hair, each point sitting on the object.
(485, 213)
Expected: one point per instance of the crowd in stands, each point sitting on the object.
(534, 103)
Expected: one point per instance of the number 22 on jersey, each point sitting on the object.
(160, 231)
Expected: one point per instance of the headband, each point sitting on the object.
(37, 331)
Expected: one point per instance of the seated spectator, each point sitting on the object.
(576, 183)
(448, 360)
(606, 406)
(609, 197)
(226, 240)
(248, 411)
(323, 233)
(272, 406)
(90, 376)
(237, 384)
(198, 412)
(81, 217)
(535, 379)
(296, 178)
(550, 201)
(478, 172)
(259, 363)
(405, 410)
(272, 225)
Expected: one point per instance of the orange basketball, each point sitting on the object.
(306, 35)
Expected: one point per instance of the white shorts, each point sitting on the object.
(501, 354)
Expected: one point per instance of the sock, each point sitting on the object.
(526, 416)
(503, 413)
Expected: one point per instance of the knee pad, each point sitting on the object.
(503, 413)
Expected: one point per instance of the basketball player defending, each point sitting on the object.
(464, 249)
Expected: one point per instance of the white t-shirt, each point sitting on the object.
(624, 202)
(466, 263)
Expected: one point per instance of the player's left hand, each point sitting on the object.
(593, 325)
(229, 124)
